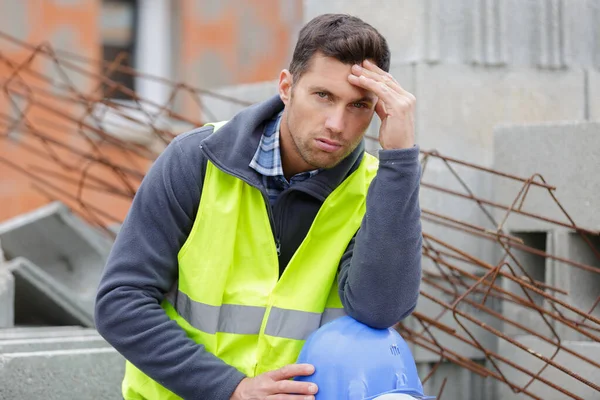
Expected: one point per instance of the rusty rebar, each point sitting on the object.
(72, 154)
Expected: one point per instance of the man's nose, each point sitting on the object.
(335, 120)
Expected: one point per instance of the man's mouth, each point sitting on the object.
(327, 145)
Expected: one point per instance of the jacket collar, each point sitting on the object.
(233, 146)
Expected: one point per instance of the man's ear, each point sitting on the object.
(285, 86)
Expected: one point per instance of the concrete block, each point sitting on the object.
(7, 298)
(60, 374)
(528, 361)
(61, 245)
(42, 300)
(461, 383)
(458, 106)
(533, 266)
(433, 310)
(50, 344)
(566, 154)
(594, 94)
(45, 332)
(582, 286)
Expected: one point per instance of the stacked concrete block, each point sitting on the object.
(57, 261)
(93, 373)
(582, 286)
(7, 298)
(528, 360)
(45, 332)
(40, 299)
(57, 362)
(458, 106)
(594, 94)
(66, 342)
(566, 154)
(525, 264)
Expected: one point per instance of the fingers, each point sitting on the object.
(290, 397)
(291, 371)
(381, 89)
(371, 77)
(370, 70)
(294, 387)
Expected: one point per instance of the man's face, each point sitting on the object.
(325, 116)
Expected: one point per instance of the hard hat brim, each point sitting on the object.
(403, 391)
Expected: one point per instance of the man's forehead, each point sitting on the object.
(332, 75)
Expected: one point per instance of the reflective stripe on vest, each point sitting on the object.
(247, 320)
(229, 296)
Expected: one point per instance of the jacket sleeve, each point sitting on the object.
(142, 267)
(380, 271)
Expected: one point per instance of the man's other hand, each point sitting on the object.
(277, 385)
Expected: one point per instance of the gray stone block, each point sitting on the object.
(62, 374)
(583, 287)
(62, 246)
(528, 361)
(45, 332)
(594, 94)
(50, 344)
(42, 300)
(458, 106)
(533, 266)
(566, 154)
(7, 297)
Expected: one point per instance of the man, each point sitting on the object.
(244, 238)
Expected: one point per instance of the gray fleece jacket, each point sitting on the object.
(379, 274)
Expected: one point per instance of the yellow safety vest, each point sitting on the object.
(230, 297)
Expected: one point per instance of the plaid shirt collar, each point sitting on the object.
(267, 161)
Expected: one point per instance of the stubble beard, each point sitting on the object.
(307, 150)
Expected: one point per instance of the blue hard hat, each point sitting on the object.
(355, 362)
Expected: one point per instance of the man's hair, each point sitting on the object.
(348, 39)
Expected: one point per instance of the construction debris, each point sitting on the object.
(502, 304)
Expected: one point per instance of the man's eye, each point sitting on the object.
(322, 94)
(359, 105)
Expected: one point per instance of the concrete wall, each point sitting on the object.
(546, 33)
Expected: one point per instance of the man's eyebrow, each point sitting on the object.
(365, 98)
